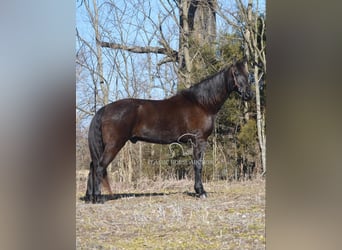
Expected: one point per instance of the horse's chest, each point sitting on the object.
(201, 122)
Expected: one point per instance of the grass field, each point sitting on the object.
(166, 215)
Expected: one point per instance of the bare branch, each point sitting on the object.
(84, 111)
(141, 50)
(166, 60)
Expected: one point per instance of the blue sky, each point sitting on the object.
(84, 27)
(132, 26)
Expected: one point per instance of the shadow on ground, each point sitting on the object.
(109, 197)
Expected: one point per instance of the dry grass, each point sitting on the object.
(162, 215)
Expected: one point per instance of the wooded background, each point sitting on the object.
(152, 49)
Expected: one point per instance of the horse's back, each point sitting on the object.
(118, 110)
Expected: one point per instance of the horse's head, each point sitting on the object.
(240, 80)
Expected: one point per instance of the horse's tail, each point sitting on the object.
(96, 145)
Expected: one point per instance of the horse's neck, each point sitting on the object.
(221, 100)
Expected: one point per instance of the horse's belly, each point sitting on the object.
(159, 136)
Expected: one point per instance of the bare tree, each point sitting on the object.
(250, 23)
(196, 24)
(197, 28)
(253, 32)
(91, 59)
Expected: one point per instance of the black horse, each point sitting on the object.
(188, 115)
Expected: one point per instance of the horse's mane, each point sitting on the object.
(212, 91)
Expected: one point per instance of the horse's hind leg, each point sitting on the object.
(90, 184)
(105, 182)
(107, 157)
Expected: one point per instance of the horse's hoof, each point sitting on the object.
(204, 196)
(99, 199)
(87, 199)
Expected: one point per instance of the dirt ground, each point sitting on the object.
(167, 215)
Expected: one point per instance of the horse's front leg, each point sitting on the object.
(198, 153)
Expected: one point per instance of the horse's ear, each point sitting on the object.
(234, 70)
(244, 63)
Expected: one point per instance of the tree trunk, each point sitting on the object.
(197, 28)
(257, 55)
(130, 163)
(140, 160)
(260, 121)
(99, 67)
(214, 155)
(202, 18)
(184, 54)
